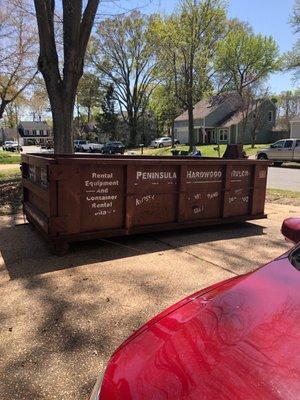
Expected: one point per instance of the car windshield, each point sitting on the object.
(295, 258)
(278, 144)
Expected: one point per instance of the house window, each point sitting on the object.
(270, 116)
(223, 135)
(33, 132)
(26, 132)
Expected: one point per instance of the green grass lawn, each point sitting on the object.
(10, 191)
(10, 175)
(283, 194)
(7, 157)
(206, 150)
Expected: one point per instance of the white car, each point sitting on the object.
(10, 145)
(284, 150)
(86, 146)
(164, 141)
(92, 147)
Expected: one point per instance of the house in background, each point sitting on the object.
(220, 120)
(295, 127)
(34, 132)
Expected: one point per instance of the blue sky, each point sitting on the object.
(269, 17)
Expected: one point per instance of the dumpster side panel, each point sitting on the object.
(78, 198)
(36, 191)
(154, 189)
(237, 195)
(259, 189)
(202, 192)
(102, 197)
(68, 199)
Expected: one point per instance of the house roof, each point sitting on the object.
(201, 110)
(237, 116)
(31, 125)
(233, 119)
(204, 107)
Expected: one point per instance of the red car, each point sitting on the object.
(236, 340)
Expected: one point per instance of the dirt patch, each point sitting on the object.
(10, 197)
(9, 167)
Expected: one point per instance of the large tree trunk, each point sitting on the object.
(2, 107)
(191, 128)
(132, 123)
(62, 84)
(132, 135)
(253, 139)
(62, 115)
(173, 134)
(62, 100)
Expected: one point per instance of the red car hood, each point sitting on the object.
(237, 340)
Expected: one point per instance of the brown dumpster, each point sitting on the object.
(71, 198)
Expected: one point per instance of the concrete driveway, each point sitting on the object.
(61, 318)
(284, 178)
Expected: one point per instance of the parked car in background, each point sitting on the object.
(236, 339)
(92, 147)
(164, 141)
(113, 147)
(285, 150)
(78, 144)
(10, 145)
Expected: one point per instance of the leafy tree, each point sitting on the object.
(123, 56)
(288, 105)
(89, 93)
(38, 103)
(259, 104)
(18, 52)
(185, 47)
(62, 75)
(165, 106)
(243, 61)
(107, 121)
(293, 56)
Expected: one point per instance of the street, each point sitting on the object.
(284, 178)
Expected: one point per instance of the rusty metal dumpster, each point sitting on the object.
(71, 198)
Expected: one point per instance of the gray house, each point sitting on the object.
(295, 127)
(34, 132)
(220, 120)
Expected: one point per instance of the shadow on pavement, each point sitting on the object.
(26, 254)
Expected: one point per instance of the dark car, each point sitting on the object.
(113, 148)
